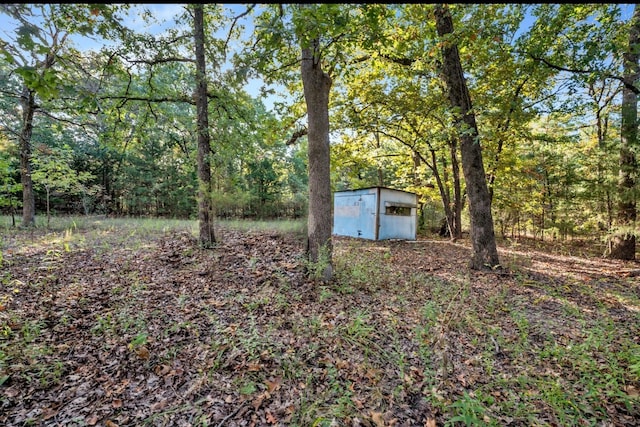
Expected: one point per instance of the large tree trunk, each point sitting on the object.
(485, 254)
(205, 209)
(623, 242)
(28, 198)
(316, 94)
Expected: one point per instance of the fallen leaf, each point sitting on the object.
(632, 391)
(162, 370)
(257, 402)
(359, 404)
(110, 423)
(254, 367)
(377, 418)
(271, 419)
(158, 406)
(92, 420)
(12, 392)
(431, 422)
(143, 352)
(117, 403)
(273, 385)
(49, 413)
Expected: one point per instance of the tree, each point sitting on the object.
(39, 54)
(317, 85)
(8, 184)
(205, 212)
(328, 37)
(623, 243)
(53, 172)
(485, 253)
(568, 39)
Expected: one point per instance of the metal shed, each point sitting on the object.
(375, 213)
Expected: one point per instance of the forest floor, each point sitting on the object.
(119, 326)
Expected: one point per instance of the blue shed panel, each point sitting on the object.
(398, 214)
(375, 213)
(355, 215)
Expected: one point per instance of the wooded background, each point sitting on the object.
(117, 130)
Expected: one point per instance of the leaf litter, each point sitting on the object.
(167, 334)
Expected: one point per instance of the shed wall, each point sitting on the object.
(375, 213)
(354, 213)
(398, 215)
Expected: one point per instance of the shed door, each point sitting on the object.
(355, 216)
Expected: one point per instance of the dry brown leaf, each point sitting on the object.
(11, 392)
(254, 367)
(117, 403)
(110, 423)
(632, 391)
(92, 420)
(257, 402)
(271, 419)
(49, 413)
(431, 422)
(359, 404)
(378, 419)
(143, 353)
(273, 385)
(162, 370)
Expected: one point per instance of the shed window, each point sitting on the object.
(397, 210)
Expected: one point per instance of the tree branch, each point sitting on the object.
(621, 79)
(297, 135)
(235, 21)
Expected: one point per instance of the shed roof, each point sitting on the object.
(372, 187)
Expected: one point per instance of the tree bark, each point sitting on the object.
(28, 199)
(623, 242)
(317, 85)
(205, 206)
(485, 254)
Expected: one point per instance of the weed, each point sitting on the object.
(248, 388)
(322, 268)
(358, 329)
(467, 410)
(325, 294)
(139, 340)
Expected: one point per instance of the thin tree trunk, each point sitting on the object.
(485, 254)
(444, 195)
(317, 85)
(48, 210)
(457, 192)
(205, 206)
(28, 198)
(623, 242)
